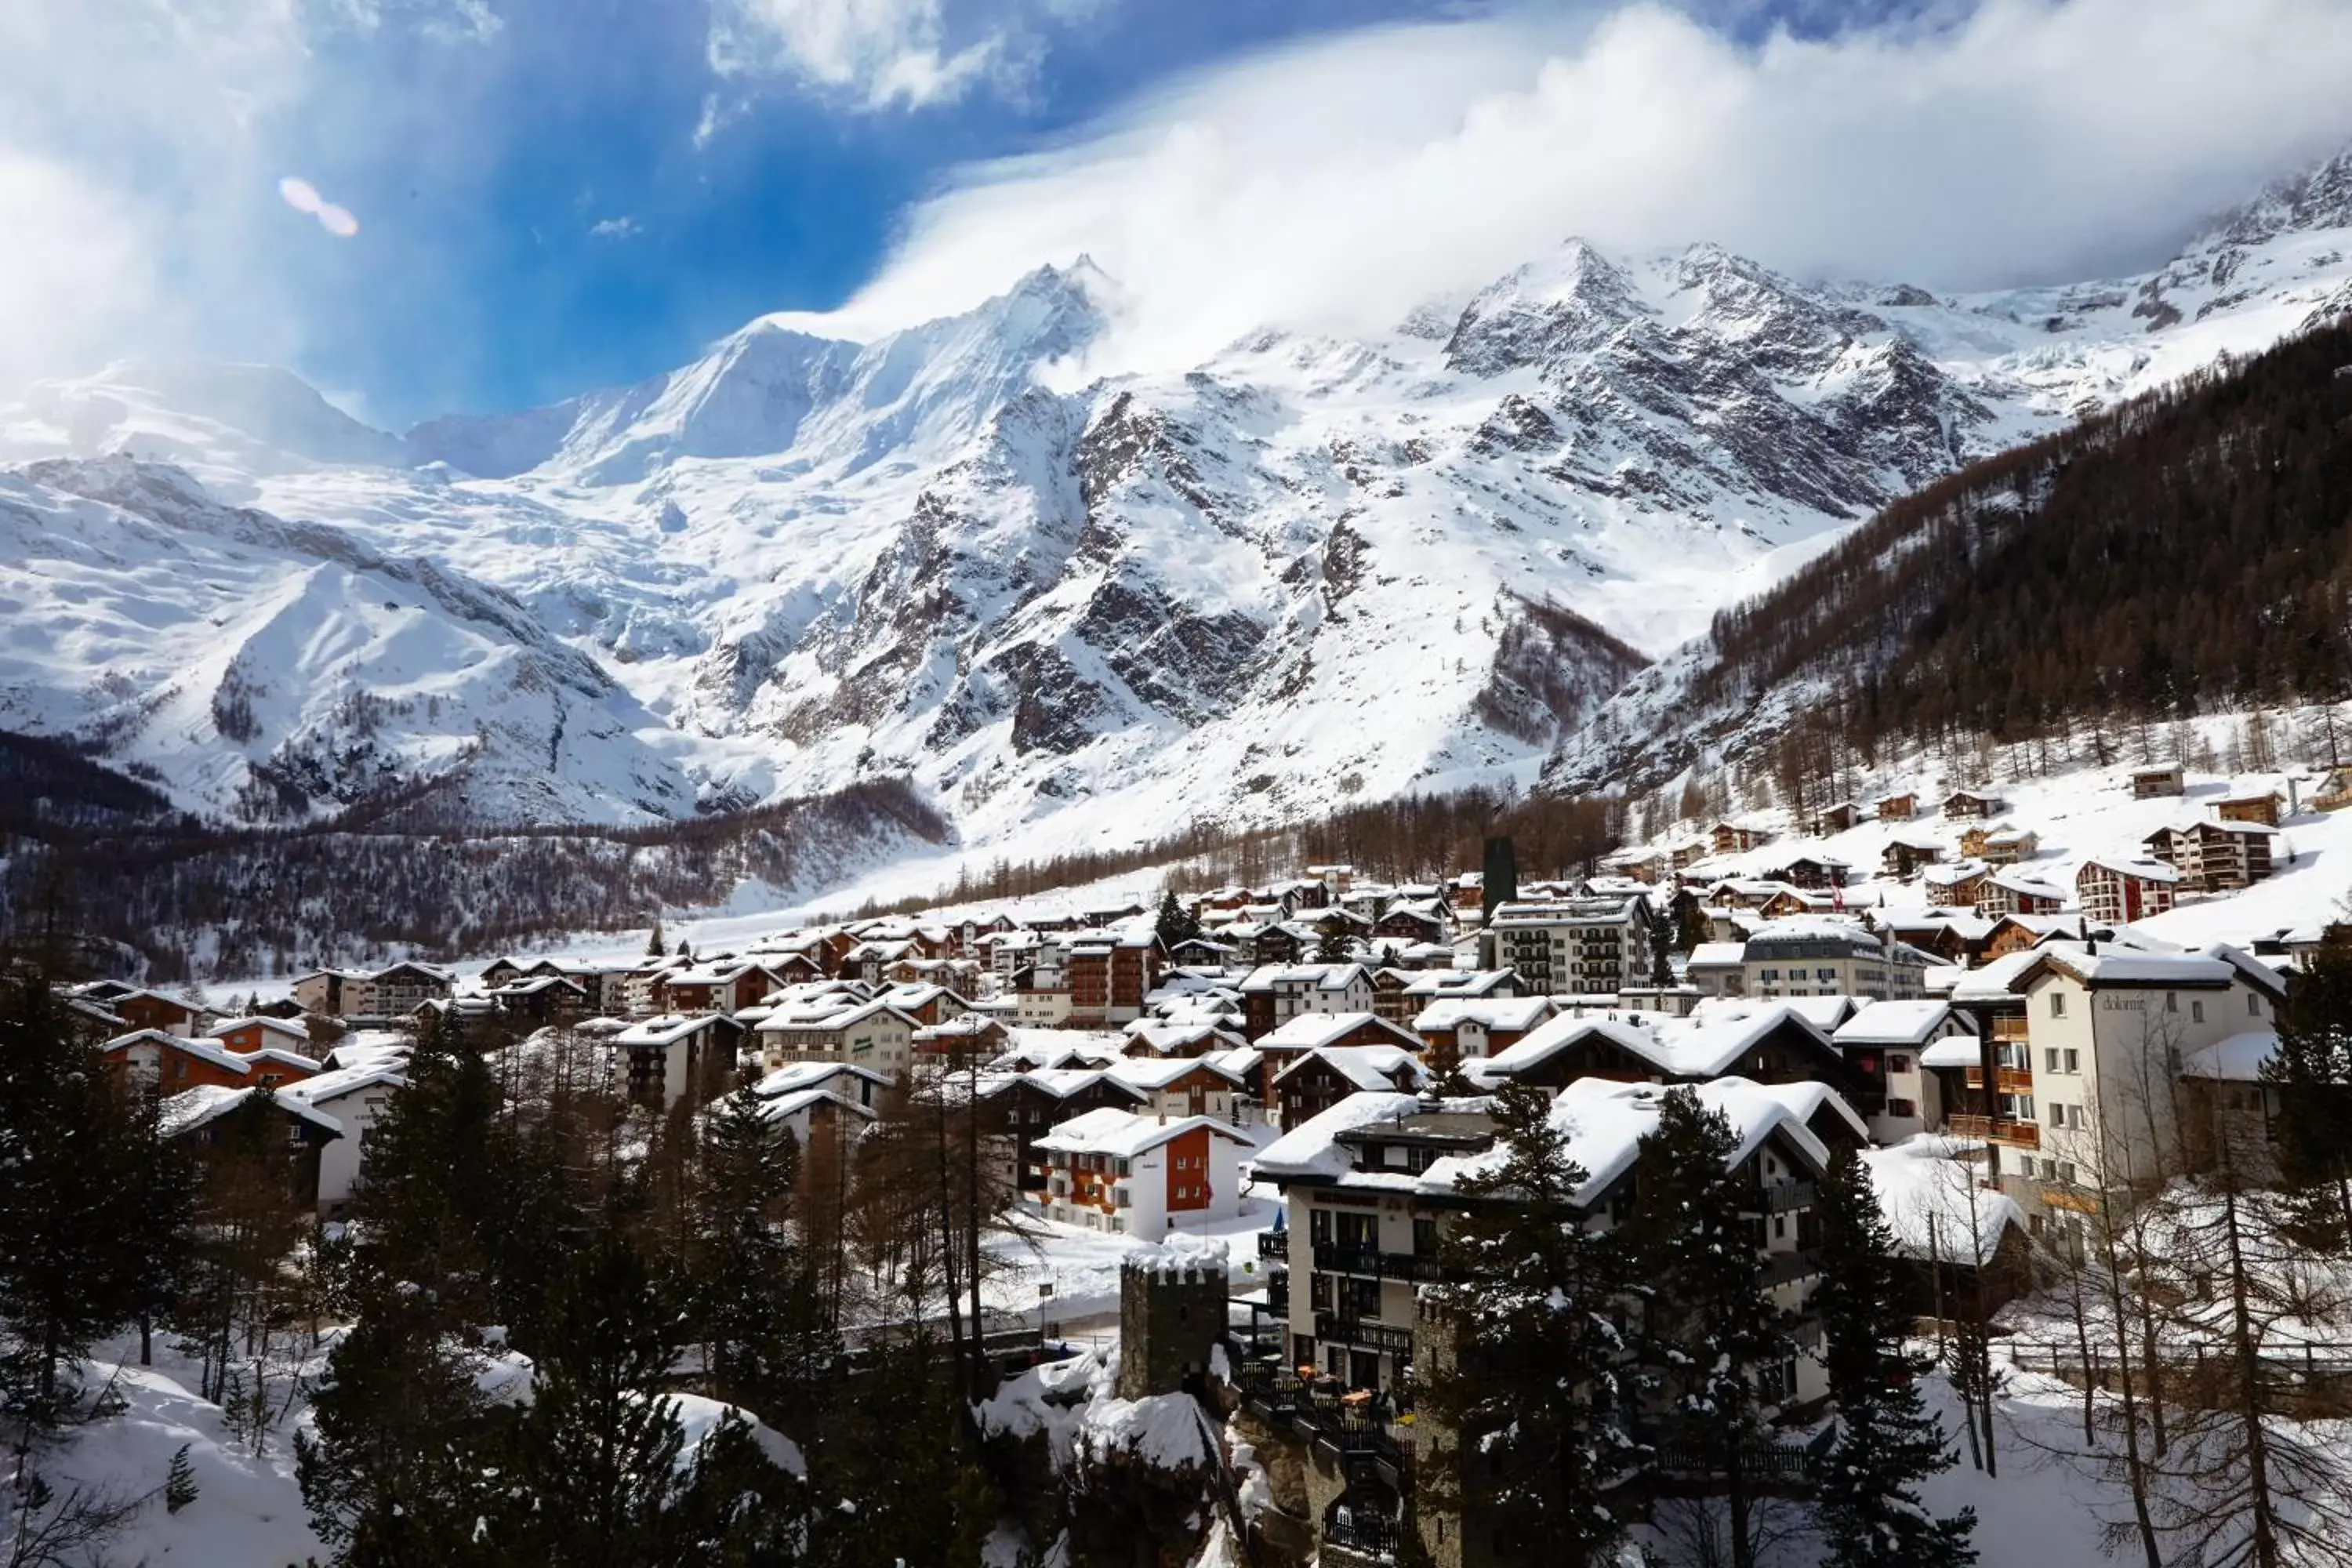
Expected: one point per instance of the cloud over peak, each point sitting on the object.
(1338, 183)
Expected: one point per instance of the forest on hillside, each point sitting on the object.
(2187, 552)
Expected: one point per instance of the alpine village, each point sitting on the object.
(1870, 1086)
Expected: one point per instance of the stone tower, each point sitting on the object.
(1172, 1315)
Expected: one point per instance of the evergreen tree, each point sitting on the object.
(179, 1481)
(1177, 922)
(1333, 944)
(654, 948)
(2312, 1076)
(1709, 1330)
(396, 1468)
(1661, 952)
(425, 1200)
(1530, 1381)
(595, 1476)
(1887, 1440)
(79, 1163)
(756, 1301)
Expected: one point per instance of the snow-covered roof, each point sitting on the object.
(335, 1084)
(1717, 953)
(2238, 1059)
(800, 1076)
(1311, 1149)
(667, 1029)
(1895, 1024)
(1155, 1073)
(194, 1108)
(1311, 1031)
(2132, 866)
(1935, 1203)
(1953, 1051)
(1488, 1012)
(1125, 1135)
(1366, 1066)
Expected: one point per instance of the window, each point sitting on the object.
(2073, 1059)
(2197, 1010)
(2172, 1000)
(2050, 1058)
(1772, 975)
(1898, 1062)
(2253, 1003)
(2057, 1004)
(1901, 1108)
(2066, 1173)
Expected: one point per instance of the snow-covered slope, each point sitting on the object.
(263, 670)
(1307, 570)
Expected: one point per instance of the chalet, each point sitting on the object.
(1732, 837)
(1430, 921)
(1274, 994)
(356, 1098)
(1322, 1079)
(1279, 1048)
(671, 1055)
(1390, 998)
(1882, 1043)
(1769, 1042)
(161, 1064)
(2334, 790)
(1683, 854)
(1899, 807)
(2214, 857)
(727, 985)
(1813, 872)
(2153, 784)
(1177, 1085)
(2004, 846)
(1904, 856)
(242, 1035)
(1961, 883)
(154, 1010)
(1172, 1037)
(2120, 889)
(1641, 865)
(2015, 934)
(1477, 1026)
(1461, 985)
(813, 1098)
(1790, 901)
(1964, 803)
(2263, 807)
(541, 997)
(1030, 1104)
(2015, 893)
(1836, 818)
(206, 1120)
(2226, 1105)
(968, 1037)
(1115, 1170)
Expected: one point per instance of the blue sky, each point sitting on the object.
(556, 194)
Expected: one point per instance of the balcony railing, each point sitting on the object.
(1372, 1263)
(1345, 1330)
(2005, 1081)
(1788, 1268)
(2008, 1027)
(2016, 1135)
(1274, 1245)
(1780, 1197)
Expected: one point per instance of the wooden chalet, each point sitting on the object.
(1901, 806)
(2153, 784)
(2263, 807)
(1963, 805)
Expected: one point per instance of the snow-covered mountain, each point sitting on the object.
(1306, 570)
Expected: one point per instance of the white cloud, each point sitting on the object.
(872, 54)
(621, 227)
(1338, 183)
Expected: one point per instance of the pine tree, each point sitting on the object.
(596, 1474)
(2311, 1074)
(395, 1470)
(179, 1481)
(1333, 944)
(755, 1298)
(1708, 1327)
(1887, 1440)
(1177, 922)
(78, 1249)
(654, 948)
(1530, 1380)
